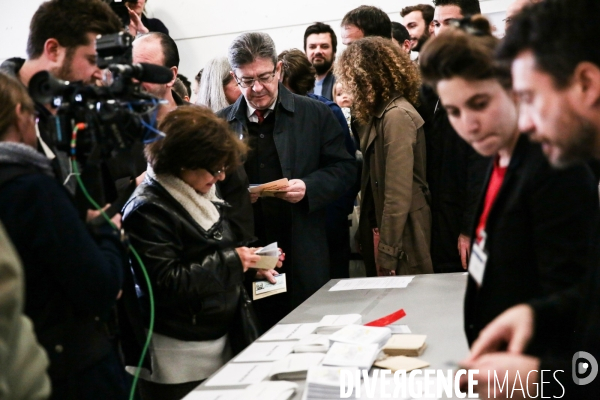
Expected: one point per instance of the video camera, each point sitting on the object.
(119, 8)
(115, 114)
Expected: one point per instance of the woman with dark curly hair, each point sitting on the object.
(395, 219)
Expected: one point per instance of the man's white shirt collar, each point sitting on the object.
(250, 111)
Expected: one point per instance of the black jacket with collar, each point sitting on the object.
(195, 273)
(539, 235)
(310, 145)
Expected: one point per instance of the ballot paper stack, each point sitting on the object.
(295, 366)
(312, 343)
(269, 391)
(352, 355)
(323, 383)
(405, 345)
(270, 189)
(360, 334)
(332, 323)
(269, 255)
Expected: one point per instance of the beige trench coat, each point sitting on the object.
(394, 190)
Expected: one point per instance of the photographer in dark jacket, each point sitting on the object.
(72, 282)
(179, 226)
(62, 41)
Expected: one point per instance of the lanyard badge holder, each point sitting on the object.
(478, 259)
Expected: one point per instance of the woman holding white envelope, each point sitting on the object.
(178, 224)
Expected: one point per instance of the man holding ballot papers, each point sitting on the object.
(297, 148)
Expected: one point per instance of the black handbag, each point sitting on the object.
(245, 327)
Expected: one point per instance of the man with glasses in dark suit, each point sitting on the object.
(291, 137)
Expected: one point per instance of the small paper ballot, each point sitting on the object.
(262, 289)
(401, 363)
(234, 374)
(351, 355)
(313, 344)
(359, 334)
(265, 351)
(288, 332)
(397, 328)
(270, 188)
(214, 395)
(327, 376)
(269, 391)
(405, 345)
(333, 323)
(324, 382)
(295, 366)
(384, 282)
(269, 255)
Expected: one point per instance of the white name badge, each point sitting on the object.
(477, 263)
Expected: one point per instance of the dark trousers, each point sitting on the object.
(338, 241)
(106, 379)
(162, 391)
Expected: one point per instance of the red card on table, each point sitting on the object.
(388, 319)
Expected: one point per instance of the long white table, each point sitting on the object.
(433, 306)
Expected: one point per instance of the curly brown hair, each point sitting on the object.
(374, 70)
(195, 138)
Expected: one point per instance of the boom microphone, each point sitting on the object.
(144, 72)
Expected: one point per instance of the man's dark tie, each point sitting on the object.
(260, 114)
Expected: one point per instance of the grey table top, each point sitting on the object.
(433, 305)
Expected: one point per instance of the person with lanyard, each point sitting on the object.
(533, 224)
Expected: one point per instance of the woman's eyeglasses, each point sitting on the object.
(216, 173)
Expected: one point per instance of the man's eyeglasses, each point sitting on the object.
(249, 82)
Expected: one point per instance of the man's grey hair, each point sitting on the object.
(215, 76)
(249, 46)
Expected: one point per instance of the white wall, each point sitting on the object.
(203, 29)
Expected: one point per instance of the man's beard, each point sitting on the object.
(421, 42)
(323, 67)
(65, 71)
(580, 145)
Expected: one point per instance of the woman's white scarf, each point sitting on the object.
(200, 206)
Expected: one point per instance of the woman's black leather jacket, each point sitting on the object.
(195, 274)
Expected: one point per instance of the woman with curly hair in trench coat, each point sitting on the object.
(395, 218)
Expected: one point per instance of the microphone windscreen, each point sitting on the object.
(153, 73)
